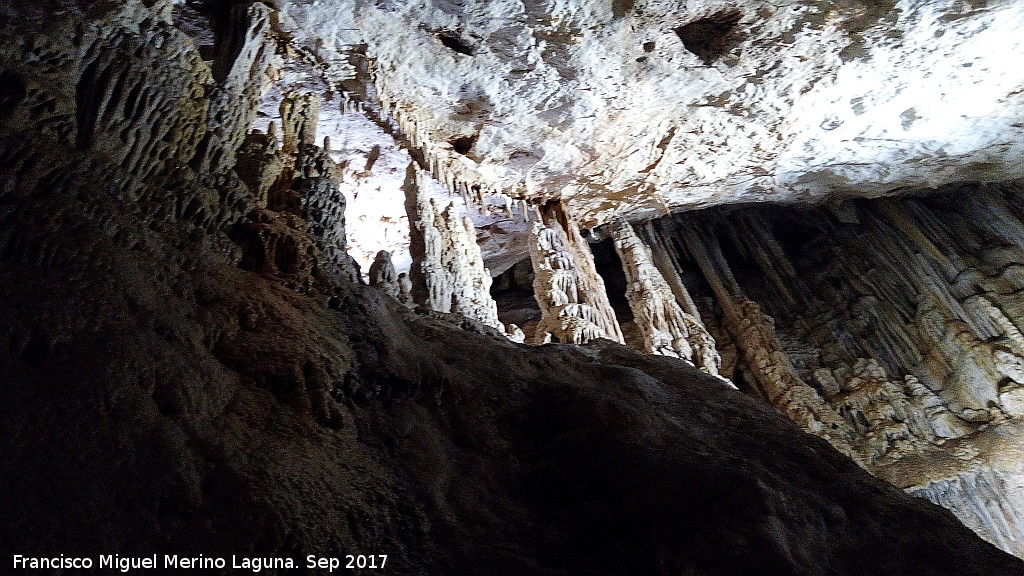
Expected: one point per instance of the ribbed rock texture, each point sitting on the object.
(890, 327)
(189, 365)
(667, 330)
(447, 271)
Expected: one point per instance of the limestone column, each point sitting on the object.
(299, 116)
(666, 328)
(447, 272)
(244, 53)
(572, 297)
(955, 352)
(753, 232)
(754, 334)
(663, 256)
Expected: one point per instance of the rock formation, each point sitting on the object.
(571, 294)
(897, 316)
(754, 333)
(191, 363)
(628, 108)
(666, 329)
(986, 500)
(447, 272)
(383, 275)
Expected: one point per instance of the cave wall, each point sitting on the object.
(896, 323)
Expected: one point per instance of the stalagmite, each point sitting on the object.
(306, 187)
(405, 290)
(666, 329)
(571, 295)
(299, 115)
(383, 276)
(515, 333)
(447, 272)
(754, 332)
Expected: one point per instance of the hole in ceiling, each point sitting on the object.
(463, 144)
(649, 46)
(454, 42)
(712, 37)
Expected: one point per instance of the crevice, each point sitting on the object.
(463, 144)
(713, 37)
(454, 42)
(12, 91)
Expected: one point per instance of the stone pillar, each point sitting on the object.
(243, 55)
(754, 333)
(307, 187)
(571, 295)
(666, 328)
(447, 272)
(299, 116)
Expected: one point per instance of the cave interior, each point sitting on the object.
(595, 288)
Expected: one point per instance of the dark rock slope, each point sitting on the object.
(184, 372)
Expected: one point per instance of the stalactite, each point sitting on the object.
(754, 333)
(666, 328)
(664, 260)
(954, 356)
(968, 346)
(902, 315)
(458, 174)
(930, 407)
(571, 295)
(756, 235)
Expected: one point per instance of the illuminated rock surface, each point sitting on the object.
(605, 104)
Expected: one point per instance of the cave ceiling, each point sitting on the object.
(636, 108)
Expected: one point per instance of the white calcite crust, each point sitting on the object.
(600, 102)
